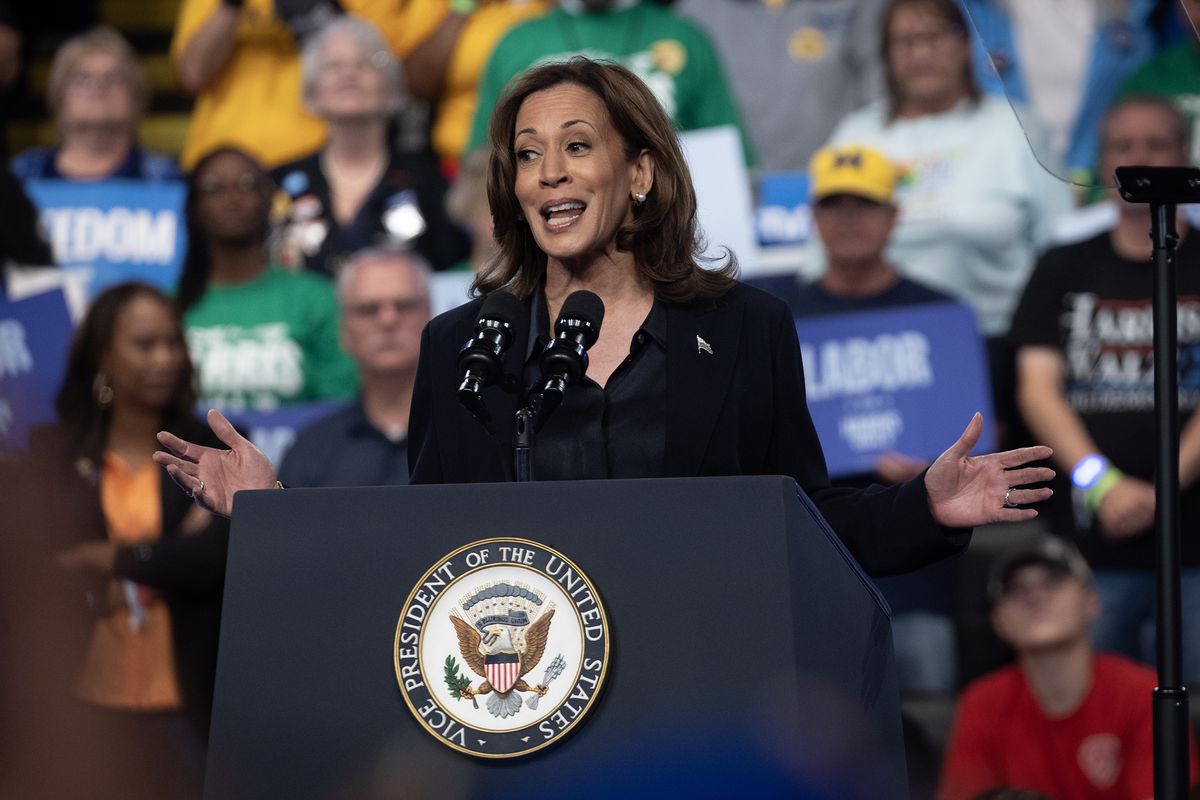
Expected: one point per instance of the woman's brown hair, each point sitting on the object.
(946, 10)
(664, 236)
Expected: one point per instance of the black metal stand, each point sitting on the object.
(1163, 188)
(523, 435)
(1170, 696)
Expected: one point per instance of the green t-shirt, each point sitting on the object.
(1175, 74)
(669, 53)
(268, 342)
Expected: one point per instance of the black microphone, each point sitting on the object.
(480, 359)
(565, 359)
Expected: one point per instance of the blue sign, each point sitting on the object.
(274, 431)
(122, 230)
(904, 379)
(34, 335)
(784, 216)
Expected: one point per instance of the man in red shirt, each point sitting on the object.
(1064, 720)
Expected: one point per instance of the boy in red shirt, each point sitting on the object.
(1064, 720)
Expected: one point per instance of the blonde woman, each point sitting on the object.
(97, 92)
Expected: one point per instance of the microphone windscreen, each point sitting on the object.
(586, 306)
(502, 307)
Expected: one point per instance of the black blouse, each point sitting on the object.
(615, 431)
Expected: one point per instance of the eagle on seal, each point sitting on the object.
(502, 655)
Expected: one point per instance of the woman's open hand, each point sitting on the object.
(966, 491)
(211, 476)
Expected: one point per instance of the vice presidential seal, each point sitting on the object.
(502, 647)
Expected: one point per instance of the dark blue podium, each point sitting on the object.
(750, 656)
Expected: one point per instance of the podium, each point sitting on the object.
(749, 654)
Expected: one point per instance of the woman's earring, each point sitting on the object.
(102, 391)
(639, 198)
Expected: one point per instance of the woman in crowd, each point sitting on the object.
(357, 191)
(97, 92)
(260, 336)
(975, 204)
(692, 374)
(148, 566)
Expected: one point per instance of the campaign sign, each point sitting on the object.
(784, 216)
(34, 334)
(274, 431)
(904, 379)
(121, 230)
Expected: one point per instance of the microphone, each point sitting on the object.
(479, 360)
(565, 359)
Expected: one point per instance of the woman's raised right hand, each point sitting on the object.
(211, 476)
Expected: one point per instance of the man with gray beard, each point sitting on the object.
(384, 298)
(1083, 337)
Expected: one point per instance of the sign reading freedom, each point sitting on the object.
(903, 379)
(122, 230)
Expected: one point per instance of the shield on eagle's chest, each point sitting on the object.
(502, 671)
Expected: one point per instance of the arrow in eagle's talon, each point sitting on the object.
(553, 671)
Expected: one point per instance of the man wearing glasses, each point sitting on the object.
(384, 298)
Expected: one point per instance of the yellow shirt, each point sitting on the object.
(130, 662)
(255, 102)
(480, 33)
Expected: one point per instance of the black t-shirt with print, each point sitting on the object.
(1095, 307)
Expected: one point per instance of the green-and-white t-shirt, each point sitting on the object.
(268, 342)
(675, 59)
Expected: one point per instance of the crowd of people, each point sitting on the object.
(340, 157)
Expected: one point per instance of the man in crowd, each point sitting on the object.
(1174, 73)
(384, 299)
(1064, 720)
(1083, 337)
(852, 194)
(827, 53)
(854, 210)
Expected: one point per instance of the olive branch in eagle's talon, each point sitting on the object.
(459, 685)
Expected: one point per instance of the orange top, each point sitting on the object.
(130, 663)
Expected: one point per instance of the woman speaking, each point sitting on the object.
(693, 373)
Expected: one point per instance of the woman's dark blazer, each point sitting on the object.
(735, 407)
(188, 570)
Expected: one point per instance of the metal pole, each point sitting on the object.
(1170, 696)
(523, 445)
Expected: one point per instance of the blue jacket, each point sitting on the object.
(141, 165)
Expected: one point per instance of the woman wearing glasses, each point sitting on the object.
(260, 336)
(359, 190)
(97, 92)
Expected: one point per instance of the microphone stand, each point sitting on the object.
(1163, 188)
(523, 436)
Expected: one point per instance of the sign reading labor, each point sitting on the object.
(34, 334)
(896, 380)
